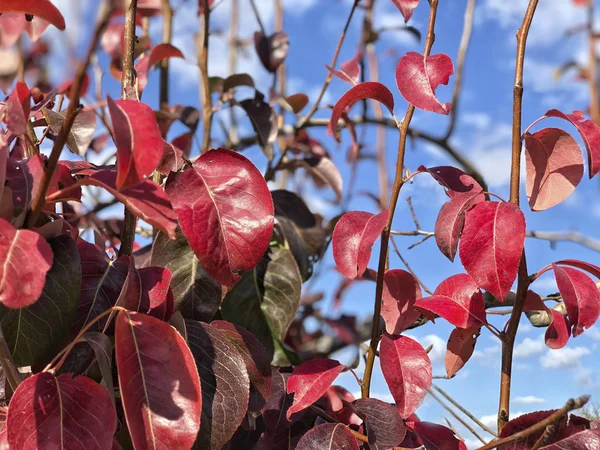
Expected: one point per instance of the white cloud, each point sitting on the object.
(490, 421)
(478, 120)
(565, 358)
(528, 347)
(529, 400)
(438, 350)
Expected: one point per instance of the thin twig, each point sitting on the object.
(75, 93)
(329, 77)
(465, 411)
(234, 19)
(457, 417)
(569, 406)
(593, 66)
(9, 368)
(412, 272)
(460, 64)
(207, 109)
(128, 85)
(543, 439)
(258, 19)
(508, 341)
(385, 235)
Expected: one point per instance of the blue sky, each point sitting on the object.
(543, 379)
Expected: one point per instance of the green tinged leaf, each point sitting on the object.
(33, 333)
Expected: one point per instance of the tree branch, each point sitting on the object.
(207, 109)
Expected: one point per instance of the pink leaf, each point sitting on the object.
(438, 437)
(407, 371)
(554, 167)
(225, 211)
(349, 72)
(406, 7)
(25, 258)
(461, 345)
(353, 236)
(400, 291)
(491, 245)
(558, 332)
(368, 89)
(43, 9)
(158, 53)
(590, 133)
(458, 300)
(146, 200)
(418, 77)
(310, 381)
(48, 411)
(138, 140)
(580, 295)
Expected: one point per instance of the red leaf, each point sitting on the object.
(407, 371)
(25, 258)
(225, 210)
(558, 332)
(146, 200)
(406, 7)
(138, 140)
(589, 268)
(451, 220)
(156, 298)
(590, 133)
(159, 383)
(349, 72)
(418, 77)
(272, 50)
(438, 437)
(173, 159)
(584, 440)
(554, 167)
(46, 410)
(491, 245)
(310, 381)
(523, 422)
(580, 295)
(65, 88)
(458, 300)
(18, 107)
(461, 345)
(328, 436)
(368, 89)
(158, 53)
(383, 425)
(353, 236)
(455, 181)
(400, 291)
(43, 9)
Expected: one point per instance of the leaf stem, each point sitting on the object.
(39, 201)
(8, 365)
(385, 235)
(509, 337)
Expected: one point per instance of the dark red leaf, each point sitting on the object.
(138, 140)
(438, 437)
(328, 436)
(324, 172)
(590, 133)
(584, 440)
(263, 120)
(523, 422)
(383, 425)
(400, 291)
(451, 220)
(159, 383)
(559, 330)
(491, 245)
(458, 300)
(406, 7)
(272, 50)
(417, 78)
(25, 258)
(554, 167)
(407, 371)
(275, 410)
(156, 297)
(44, 9)
(64, 412)
(146, 200)
(353, 236)
(461, 345)
(18, 106)
(580, 295)
(456, 182)
(225, 211)
(310, 381)
(349, 72)
(368, 89)
(158, 53)
(225, 384)
(256, 359)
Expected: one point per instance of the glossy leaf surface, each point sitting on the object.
(328, 436)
